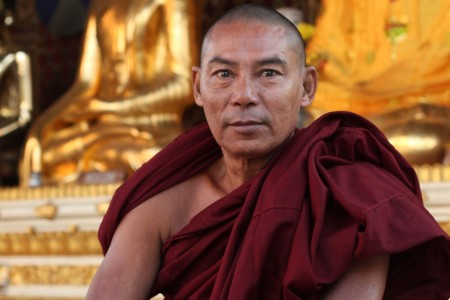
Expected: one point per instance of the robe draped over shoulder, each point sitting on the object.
(335, 192)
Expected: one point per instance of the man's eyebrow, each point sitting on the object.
(275, 60)
(220, 60)
(271, 61)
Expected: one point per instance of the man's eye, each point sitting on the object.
(269, 73)
(223, 73)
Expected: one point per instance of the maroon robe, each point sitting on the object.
(335, 192)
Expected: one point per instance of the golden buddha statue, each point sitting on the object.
(388, 60)
(127, 101)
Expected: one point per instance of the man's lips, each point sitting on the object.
(245, 123)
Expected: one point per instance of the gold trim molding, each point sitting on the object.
(50, 274)
(50, 243)
(55, 192)
(47, 211)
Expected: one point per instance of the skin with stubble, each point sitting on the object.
(252, 83)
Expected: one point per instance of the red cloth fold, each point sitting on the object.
(335, 192)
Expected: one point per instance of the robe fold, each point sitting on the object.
(335, 192)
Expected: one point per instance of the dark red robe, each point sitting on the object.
(335, 192)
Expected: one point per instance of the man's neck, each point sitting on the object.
(229, 173)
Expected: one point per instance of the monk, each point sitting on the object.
(249, 207)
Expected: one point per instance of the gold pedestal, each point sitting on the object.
(48, 240)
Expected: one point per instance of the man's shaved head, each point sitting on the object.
(248, 13)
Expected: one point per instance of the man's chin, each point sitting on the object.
(247, 151)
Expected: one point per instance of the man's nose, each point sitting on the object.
(245, 92)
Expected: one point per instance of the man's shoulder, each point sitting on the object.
(190, 154)
(175, 206)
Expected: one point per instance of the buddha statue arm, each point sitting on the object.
(87, 80)
(174, 93)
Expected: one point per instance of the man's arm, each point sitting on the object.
(132, 261)
(366, 279)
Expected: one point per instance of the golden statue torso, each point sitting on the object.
(132, 87)
(131, 49)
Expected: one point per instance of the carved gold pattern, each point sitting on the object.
(62, 191)
(51, 274)
(47, 211)
(50, 243)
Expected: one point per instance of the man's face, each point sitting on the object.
(251, 87)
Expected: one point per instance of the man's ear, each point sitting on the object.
(196, 72)
(309, 85)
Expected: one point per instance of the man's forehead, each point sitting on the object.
(242, 27)
(226, 38)
(241, 35)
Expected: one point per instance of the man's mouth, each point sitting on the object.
(245, 123)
